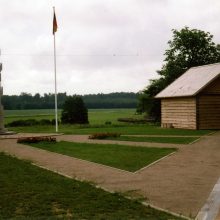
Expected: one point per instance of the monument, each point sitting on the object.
(3, 130)
(2, 127)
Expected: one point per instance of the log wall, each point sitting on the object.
(179, 113)
(213, 88)
(209, 112)
(209, 106)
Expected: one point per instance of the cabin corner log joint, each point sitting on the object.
(193, 100)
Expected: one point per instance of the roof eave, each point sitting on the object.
(169, 97)
(190, 95)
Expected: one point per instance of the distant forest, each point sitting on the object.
(92, 101)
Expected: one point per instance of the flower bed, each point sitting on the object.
(104, 135)
(35, 139)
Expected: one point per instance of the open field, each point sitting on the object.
(97, 119)
(119, 156)
(13, 115)
(169, 183)
(96, 116)
(29, 192)
(122, 129)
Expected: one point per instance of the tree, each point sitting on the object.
(46, 101)
(74, 111)
(188, 48)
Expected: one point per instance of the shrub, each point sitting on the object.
(30, 122)
(104, 135)
(20, 123)
(74, 111)
(45, 122)
(53, 122)
(35, 139)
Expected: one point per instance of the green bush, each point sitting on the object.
(30, 122)
(21, 123)
(74, 111)
(45, 122)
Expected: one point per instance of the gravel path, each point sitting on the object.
(180, 183)
(85, 139)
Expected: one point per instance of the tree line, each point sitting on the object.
(92, 101)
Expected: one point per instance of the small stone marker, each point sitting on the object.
(3, 130)
(2, 127)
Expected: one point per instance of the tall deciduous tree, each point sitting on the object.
(188, 48)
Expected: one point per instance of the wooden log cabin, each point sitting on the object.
(193, 100)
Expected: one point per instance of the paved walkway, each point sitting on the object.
(85, 139)
(211, 208)
(180, 183)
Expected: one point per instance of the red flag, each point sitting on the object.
(54, 23)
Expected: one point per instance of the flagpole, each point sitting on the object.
(55, 77)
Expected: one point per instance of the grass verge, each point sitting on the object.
(146, 129)
(119, 156)
(29, 192)
(173, 140)
(97, 119)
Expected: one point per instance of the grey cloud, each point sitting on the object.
(90, 33)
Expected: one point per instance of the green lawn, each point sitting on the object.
(122, 129)
(100, 116)
(29, 192)
(38, 114)
(119, 156)
(28, 112)
(96, 116)
(97, 119)
(173, 140)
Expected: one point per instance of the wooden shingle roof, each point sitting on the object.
(191, 82)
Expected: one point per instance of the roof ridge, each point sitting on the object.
(211, 64)
(191, 82)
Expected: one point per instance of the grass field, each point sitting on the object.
(13, 115)
(123, 157)
(29, 192)
(97, 124)
(96, 116)
(122, 129)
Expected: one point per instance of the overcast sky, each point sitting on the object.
(103, 46)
